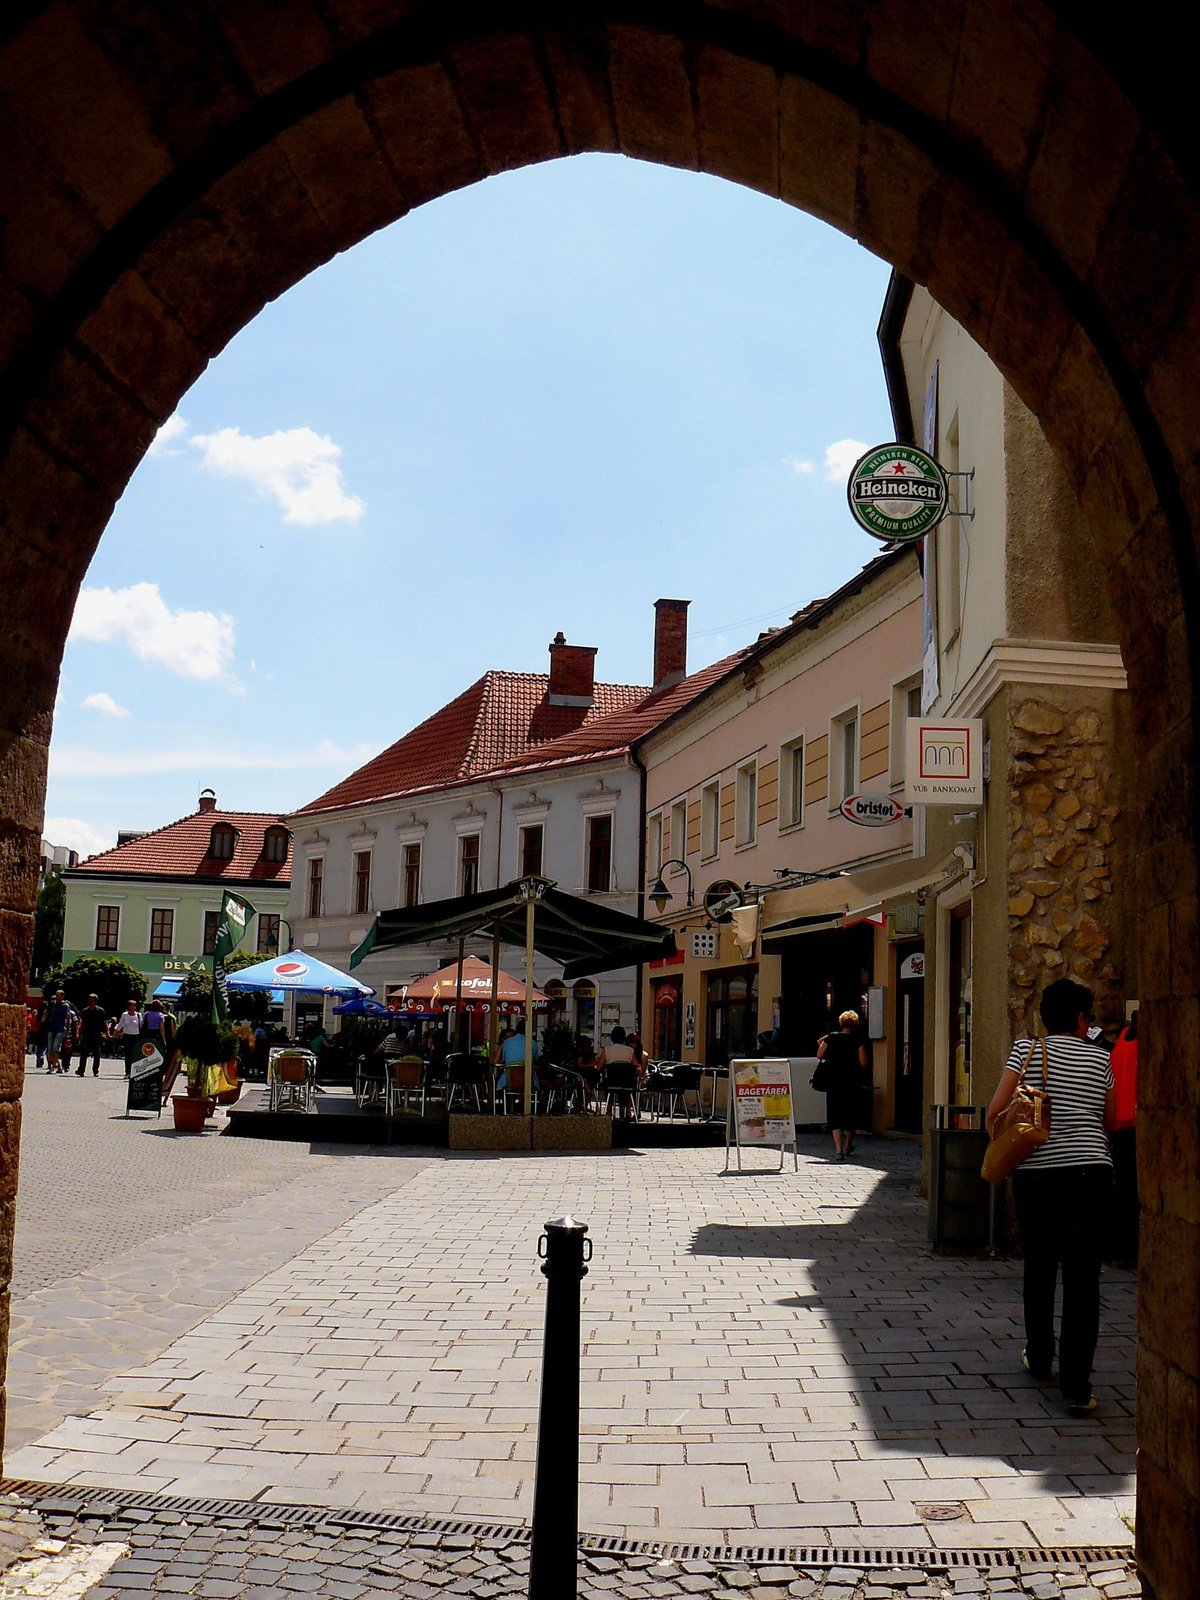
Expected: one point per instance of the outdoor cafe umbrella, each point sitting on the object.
(360, 1006)
(300, 973)
(581, 934)
(477, 979)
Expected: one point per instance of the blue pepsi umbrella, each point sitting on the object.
(298, 973)
(360, 1006)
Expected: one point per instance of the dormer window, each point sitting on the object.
(220, 844)
(275, 844)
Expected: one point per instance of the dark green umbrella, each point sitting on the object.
(583, 936)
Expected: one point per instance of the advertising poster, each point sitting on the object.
(144, 1091)
(762, 1100)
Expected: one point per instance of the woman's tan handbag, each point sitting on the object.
(1022, 1127)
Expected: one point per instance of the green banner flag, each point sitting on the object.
(231, 927)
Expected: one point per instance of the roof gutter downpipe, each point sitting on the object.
(641, 898)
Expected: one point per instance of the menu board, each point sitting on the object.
(762, 1102)
(144, 1091)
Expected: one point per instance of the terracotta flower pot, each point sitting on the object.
(191, 1112)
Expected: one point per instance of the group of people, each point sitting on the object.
(622, 1048)
(58, 1030)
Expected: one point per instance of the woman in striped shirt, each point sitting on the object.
(1063, 1191)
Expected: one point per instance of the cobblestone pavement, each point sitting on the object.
(128, 1235)
(766, 1357)
(241, 1553)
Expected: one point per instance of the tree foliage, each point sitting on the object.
(113, 981)
(244, 1006)
(48, 922)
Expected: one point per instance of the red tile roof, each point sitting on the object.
(502, 716)
(181, 850)
(607, 736)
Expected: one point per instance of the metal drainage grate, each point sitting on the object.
(110, 1505)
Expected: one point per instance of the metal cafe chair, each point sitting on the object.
(405, 1081)
(673, 1082)
(622, 1087)
(467, 1076)
(370, 1083)
(512, 1096)
(293, 1081)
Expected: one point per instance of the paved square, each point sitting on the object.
(766, 1357)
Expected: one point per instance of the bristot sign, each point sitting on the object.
(871, 810)
(944, 761)
(897, 492)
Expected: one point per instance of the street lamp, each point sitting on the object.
(660, 894)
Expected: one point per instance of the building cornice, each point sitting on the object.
(1038, 661)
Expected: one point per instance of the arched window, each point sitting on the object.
(220, 844)
(275, 844)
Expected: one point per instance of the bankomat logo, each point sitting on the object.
(945, 752)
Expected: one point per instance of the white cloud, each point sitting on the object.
(192, 644)
(173, 428)
(840, 457)
(81, 761)
(76, 834)
(106, 703)
(798, 465)
(296, 467)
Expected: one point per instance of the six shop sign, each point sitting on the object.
(871, 810)
(897, 492)
(721, 898)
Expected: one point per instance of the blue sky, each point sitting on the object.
(538, 403)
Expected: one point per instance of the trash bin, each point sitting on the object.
(964, 1211)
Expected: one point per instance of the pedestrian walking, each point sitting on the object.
(41, 1032)
(93, 1029)
(841, 1072)
(1063, 1191)
(58, 1020)
(154, 1024)
(1122, 1250)
(128, 1027)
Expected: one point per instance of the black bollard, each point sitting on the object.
(553, 1559)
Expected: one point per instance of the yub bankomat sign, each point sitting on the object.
(944, 763)
(897, 493)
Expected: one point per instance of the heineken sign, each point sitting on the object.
(897, 492)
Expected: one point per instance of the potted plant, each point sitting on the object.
(204, 1048)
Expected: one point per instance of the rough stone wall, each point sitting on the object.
(1068, 859)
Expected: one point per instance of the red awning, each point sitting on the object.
(666, 994)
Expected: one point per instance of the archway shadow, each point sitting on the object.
(931, 1344)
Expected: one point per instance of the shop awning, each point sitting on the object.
(583, 935)
(169, 989)
(852, 896)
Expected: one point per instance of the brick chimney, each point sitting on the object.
(670, 642)
(572, 673)
(208, 800)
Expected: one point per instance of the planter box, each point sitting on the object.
(469, 1131)
(572, 1133)
(473, 1132)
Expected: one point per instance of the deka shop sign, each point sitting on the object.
(944, 761)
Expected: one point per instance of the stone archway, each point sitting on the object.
(168, 172)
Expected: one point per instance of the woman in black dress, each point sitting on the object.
(843, 1068)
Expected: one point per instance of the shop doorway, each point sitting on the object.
(823, 974)
(668, 1020)
(732, 1015)
(908, 1066)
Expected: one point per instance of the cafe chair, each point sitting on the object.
(293, 1081)
(405, 1082)
(622, 1089)
(370, 1083)
(468, 1078)
(672, 1083)
(512, 1096)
